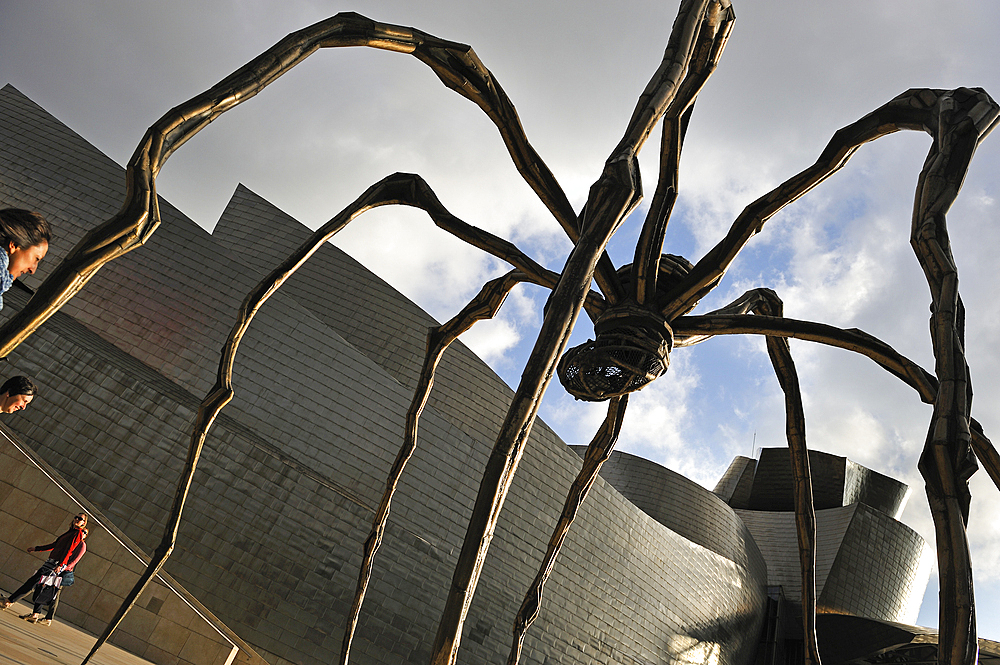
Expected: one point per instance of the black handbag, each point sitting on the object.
(44, 594)
(46, 590)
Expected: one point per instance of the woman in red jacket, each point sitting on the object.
(66, 579)
(62, 547)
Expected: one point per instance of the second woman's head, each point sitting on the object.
(25, 237)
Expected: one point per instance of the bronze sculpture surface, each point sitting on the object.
(641, 314)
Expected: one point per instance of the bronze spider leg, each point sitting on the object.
(705, 57)
(708, 50)
(611, 198)
(456, 65)
(691, 329)
(957, 120)
(766, 303)
(484, 306)
(909, 110)
(694, 329)
(805, 513)
(398, 189)
(948, 461)
(598, 452)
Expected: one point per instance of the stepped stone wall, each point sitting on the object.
(168, 626)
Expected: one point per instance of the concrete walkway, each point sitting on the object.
(23, 643)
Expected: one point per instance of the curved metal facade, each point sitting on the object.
(868, 564)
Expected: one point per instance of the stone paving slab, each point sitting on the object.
(23, 643)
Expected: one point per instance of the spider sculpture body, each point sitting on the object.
(641, 314)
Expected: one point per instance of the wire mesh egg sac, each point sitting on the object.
(620, 361)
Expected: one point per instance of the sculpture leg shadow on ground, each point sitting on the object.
(641, 313)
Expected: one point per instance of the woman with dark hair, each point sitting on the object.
(66, 579)
(62, 548)
(24, 237)
(16, 392)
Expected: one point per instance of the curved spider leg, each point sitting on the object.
(690, 330)
(484, 306)
(766, 303)
(909, 110)
(611, 198)
(985, 451)
(693, 329)
(690, 57)
(708, 51)
(646, 262)
(398, 189)
(456, 65)
(947, 461)
(693, 16)
(957, 121)
(598, 452)
(729, 320)
(805, 514)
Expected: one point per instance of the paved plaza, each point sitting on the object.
(22, 643)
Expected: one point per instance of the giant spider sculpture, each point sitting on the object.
(640, 314)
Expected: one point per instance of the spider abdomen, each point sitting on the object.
(631, 350)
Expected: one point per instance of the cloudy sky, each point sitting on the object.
(792, 74)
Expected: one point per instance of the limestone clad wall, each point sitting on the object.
(167, 626)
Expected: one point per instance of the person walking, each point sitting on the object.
(61, 549)
(65, 579)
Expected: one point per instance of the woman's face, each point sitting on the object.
(25, 260)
